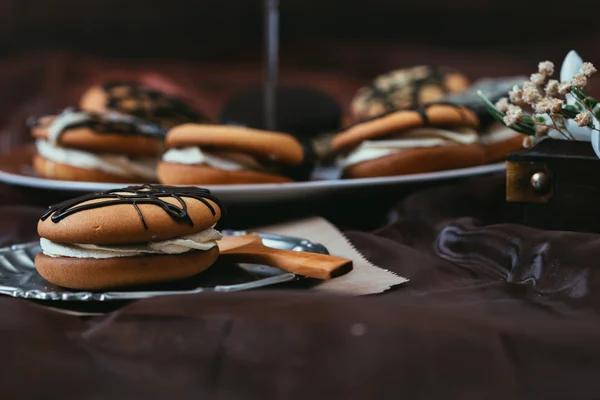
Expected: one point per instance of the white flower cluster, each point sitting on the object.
(539, 94)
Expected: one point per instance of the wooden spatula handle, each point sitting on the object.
(312, 265)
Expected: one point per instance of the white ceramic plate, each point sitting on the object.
(23, 175)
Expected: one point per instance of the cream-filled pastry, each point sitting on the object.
(433, 138)
(221, 154)
(137, 235)
(103, 147)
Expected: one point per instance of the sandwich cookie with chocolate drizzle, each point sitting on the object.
(430, 138)
(142, 102)
(137, 235)
(406, 88)
(97, 147)
(200, 154)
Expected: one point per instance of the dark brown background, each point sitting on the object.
(327, 30)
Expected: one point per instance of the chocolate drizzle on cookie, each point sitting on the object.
(437, 77)
(136, 195)
(407, 93)
(148, 104)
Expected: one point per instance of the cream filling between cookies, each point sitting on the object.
(64, 120)
(110, 163)
(202, 241)
(221, 159)
(409, 140)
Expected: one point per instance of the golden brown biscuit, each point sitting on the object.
(273, 146)
(93, 274)
(131, 215)
(140, 101)
(136, 235)
(404, 88)
(181, 174)
(52, 170)
(102, 133)
(415, 161)
(435, 115)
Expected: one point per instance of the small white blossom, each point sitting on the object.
(531, 95)
(543, 106)
(583, 118)
(588, 69)
(538, 79)
(546, 68)
(516, 96)
(514, 114)
(552, 87)
(502, 104)
(579, 81)
(556, 105)
(541, 130)
(528, 142)
(565, 87)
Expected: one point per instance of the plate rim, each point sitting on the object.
(75, 186)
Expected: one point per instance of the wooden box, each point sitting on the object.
(556, 185)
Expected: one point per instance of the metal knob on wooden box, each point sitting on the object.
(556, 185)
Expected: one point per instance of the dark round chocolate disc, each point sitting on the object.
(301, 111)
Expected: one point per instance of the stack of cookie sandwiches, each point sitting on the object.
(413, 140)
(115, 135)
(413, 120)
(406, 91)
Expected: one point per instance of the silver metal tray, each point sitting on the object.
(18, 277)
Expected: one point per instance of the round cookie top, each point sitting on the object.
(301, 111)
(404, 88)
(140, 101)
(432, 115)
(106, 132)
(273, 146)
(134, 214)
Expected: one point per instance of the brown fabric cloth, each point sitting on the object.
(493, 310)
